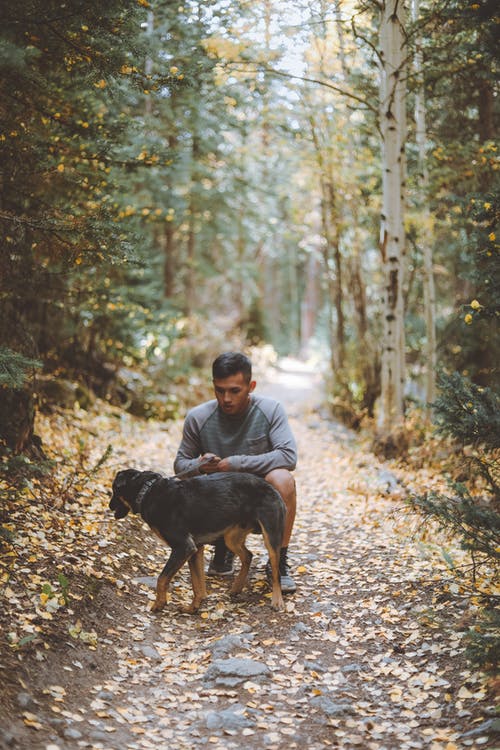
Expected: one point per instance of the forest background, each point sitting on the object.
(178, 179)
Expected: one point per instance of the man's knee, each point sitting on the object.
(283, 481)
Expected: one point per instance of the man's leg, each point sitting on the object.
(222, 559)
(283, 481)
(222, 562)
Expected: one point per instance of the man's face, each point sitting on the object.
(233, 393)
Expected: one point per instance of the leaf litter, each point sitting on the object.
(369, 653)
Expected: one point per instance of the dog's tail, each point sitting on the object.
(271, 518)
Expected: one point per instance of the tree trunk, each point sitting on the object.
(17, 404)
(239, 284)
(169, 260)
(426, 232)
(330, 247)
(337, 259)
(486, 106)
(292, 288)
(367, 361)
(330, 286)
(190, 267)
(310, 303)
(337, 10)
(169, 240)
(393, 129)
(190, 263)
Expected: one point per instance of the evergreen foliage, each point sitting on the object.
(463, 117)
(61, 70)
(483, 642)
(463, 125)
(14, 368)
(470, 415)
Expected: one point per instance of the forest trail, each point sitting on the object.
(367, 655)
(297, 384)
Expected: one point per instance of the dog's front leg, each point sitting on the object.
(178, 557)
(197, 568)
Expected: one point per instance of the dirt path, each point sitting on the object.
(368, 653)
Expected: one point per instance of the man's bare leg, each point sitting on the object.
(283, 481)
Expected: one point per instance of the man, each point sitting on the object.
(238, 431)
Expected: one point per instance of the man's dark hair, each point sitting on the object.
(231, 363)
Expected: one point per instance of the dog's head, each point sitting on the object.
(123, 492)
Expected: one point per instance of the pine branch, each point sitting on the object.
(14, 368)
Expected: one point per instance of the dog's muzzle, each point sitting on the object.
(118, 506)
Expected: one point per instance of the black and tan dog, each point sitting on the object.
(190, 513)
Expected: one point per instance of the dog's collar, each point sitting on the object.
(144, 491)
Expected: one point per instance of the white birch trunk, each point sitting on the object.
(426, 231)
(393, 128)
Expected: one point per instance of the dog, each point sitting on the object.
(188, 513)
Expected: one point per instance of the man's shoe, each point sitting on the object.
(222, 562)
(288, 585)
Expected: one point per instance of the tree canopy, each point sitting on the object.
(177, 176)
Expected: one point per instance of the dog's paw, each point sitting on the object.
(278, 605)
(157, 606)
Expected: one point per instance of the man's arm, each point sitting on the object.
(187, 460)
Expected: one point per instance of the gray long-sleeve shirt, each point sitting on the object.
(257, 441)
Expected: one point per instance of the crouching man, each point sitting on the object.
(241, 431)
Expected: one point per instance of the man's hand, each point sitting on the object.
(209, 463)
(224, 465)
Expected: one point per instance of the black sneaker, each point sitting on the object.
(288, 585)
(222, 562)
